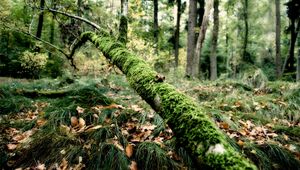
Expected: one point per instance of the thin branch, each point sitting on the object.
(94, 25)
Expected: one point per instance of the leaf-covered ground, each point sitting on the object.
(103, 124)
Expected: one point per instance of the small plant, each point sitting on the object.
(33, 63)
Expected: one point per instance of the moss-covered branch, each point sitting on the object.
(193, 129)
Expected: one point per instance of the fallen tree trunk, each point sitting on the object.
(193, 129)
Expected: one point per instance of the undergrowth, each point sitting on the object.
(261, 123)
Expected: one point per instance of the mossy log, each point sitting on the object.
(44, 93)
(194, 130)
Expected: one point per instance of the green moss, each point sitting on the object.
(194, 130)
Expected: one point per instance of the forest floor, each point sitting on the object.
(101, 123)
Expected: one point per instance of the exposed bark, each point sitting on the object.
(41, 20)
(193, 129)
(177, 32)
(201, 38)
(191, 38)
(155, 25)
(124, 7)
(278, 49)
(214, 43)
(245, 40)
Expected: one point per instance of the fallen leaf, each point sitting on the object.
(243, 132)
(81, 123)
(133, 166)
(240, 143)
(40, 167)
(147, 127)
(272, 135)
(285, 137)
(41, 122)
(224, 125)
(80, 110)
(116, 143)
(129, 150)
(93, 128)
(64, 164)
(136, 108)
(74, 121)
(18, 137)
(11, 146)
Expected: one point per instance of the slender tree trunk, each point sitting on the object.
(191, 38)
(245, 41)
(298, 65)
(124, 7)
(214, 43)
(201, 38)
(278, 30)
(291, 57)
(155, 25)
(123, 27)
(41, 19)
(177, 32)
(52, 27)
(194, 130)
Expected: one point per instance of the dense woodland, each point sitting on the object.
(150, 84)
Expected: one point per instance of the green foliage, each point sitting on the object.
(151, 156)
(33, 63)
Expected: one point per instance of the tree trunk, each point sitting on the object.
(177, 32)
(123, 27)
(193, 129)
(291, 57)
(245, 55)
(124, 7)
(298, 66)
(191, 38)
(201, 38)
(155, 25)
(214, 43)
(41, 19)
(278, 30)
(52, 27)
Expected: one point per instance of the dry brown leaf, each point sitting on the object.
(64, 164)
(129, 150)
(41, 122)
(93, 128)
(272, 135)
(285, 137)
(80, 110)
(11, 146)
(147, 127)
(74, 121)
(18, 137)
(81, 123)
(224, 125)
(133, 166)
(40, 167)
(112, 106)
(243, 132)
(233, 135)
(240, 143)
(136, 108)
(116, 143)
